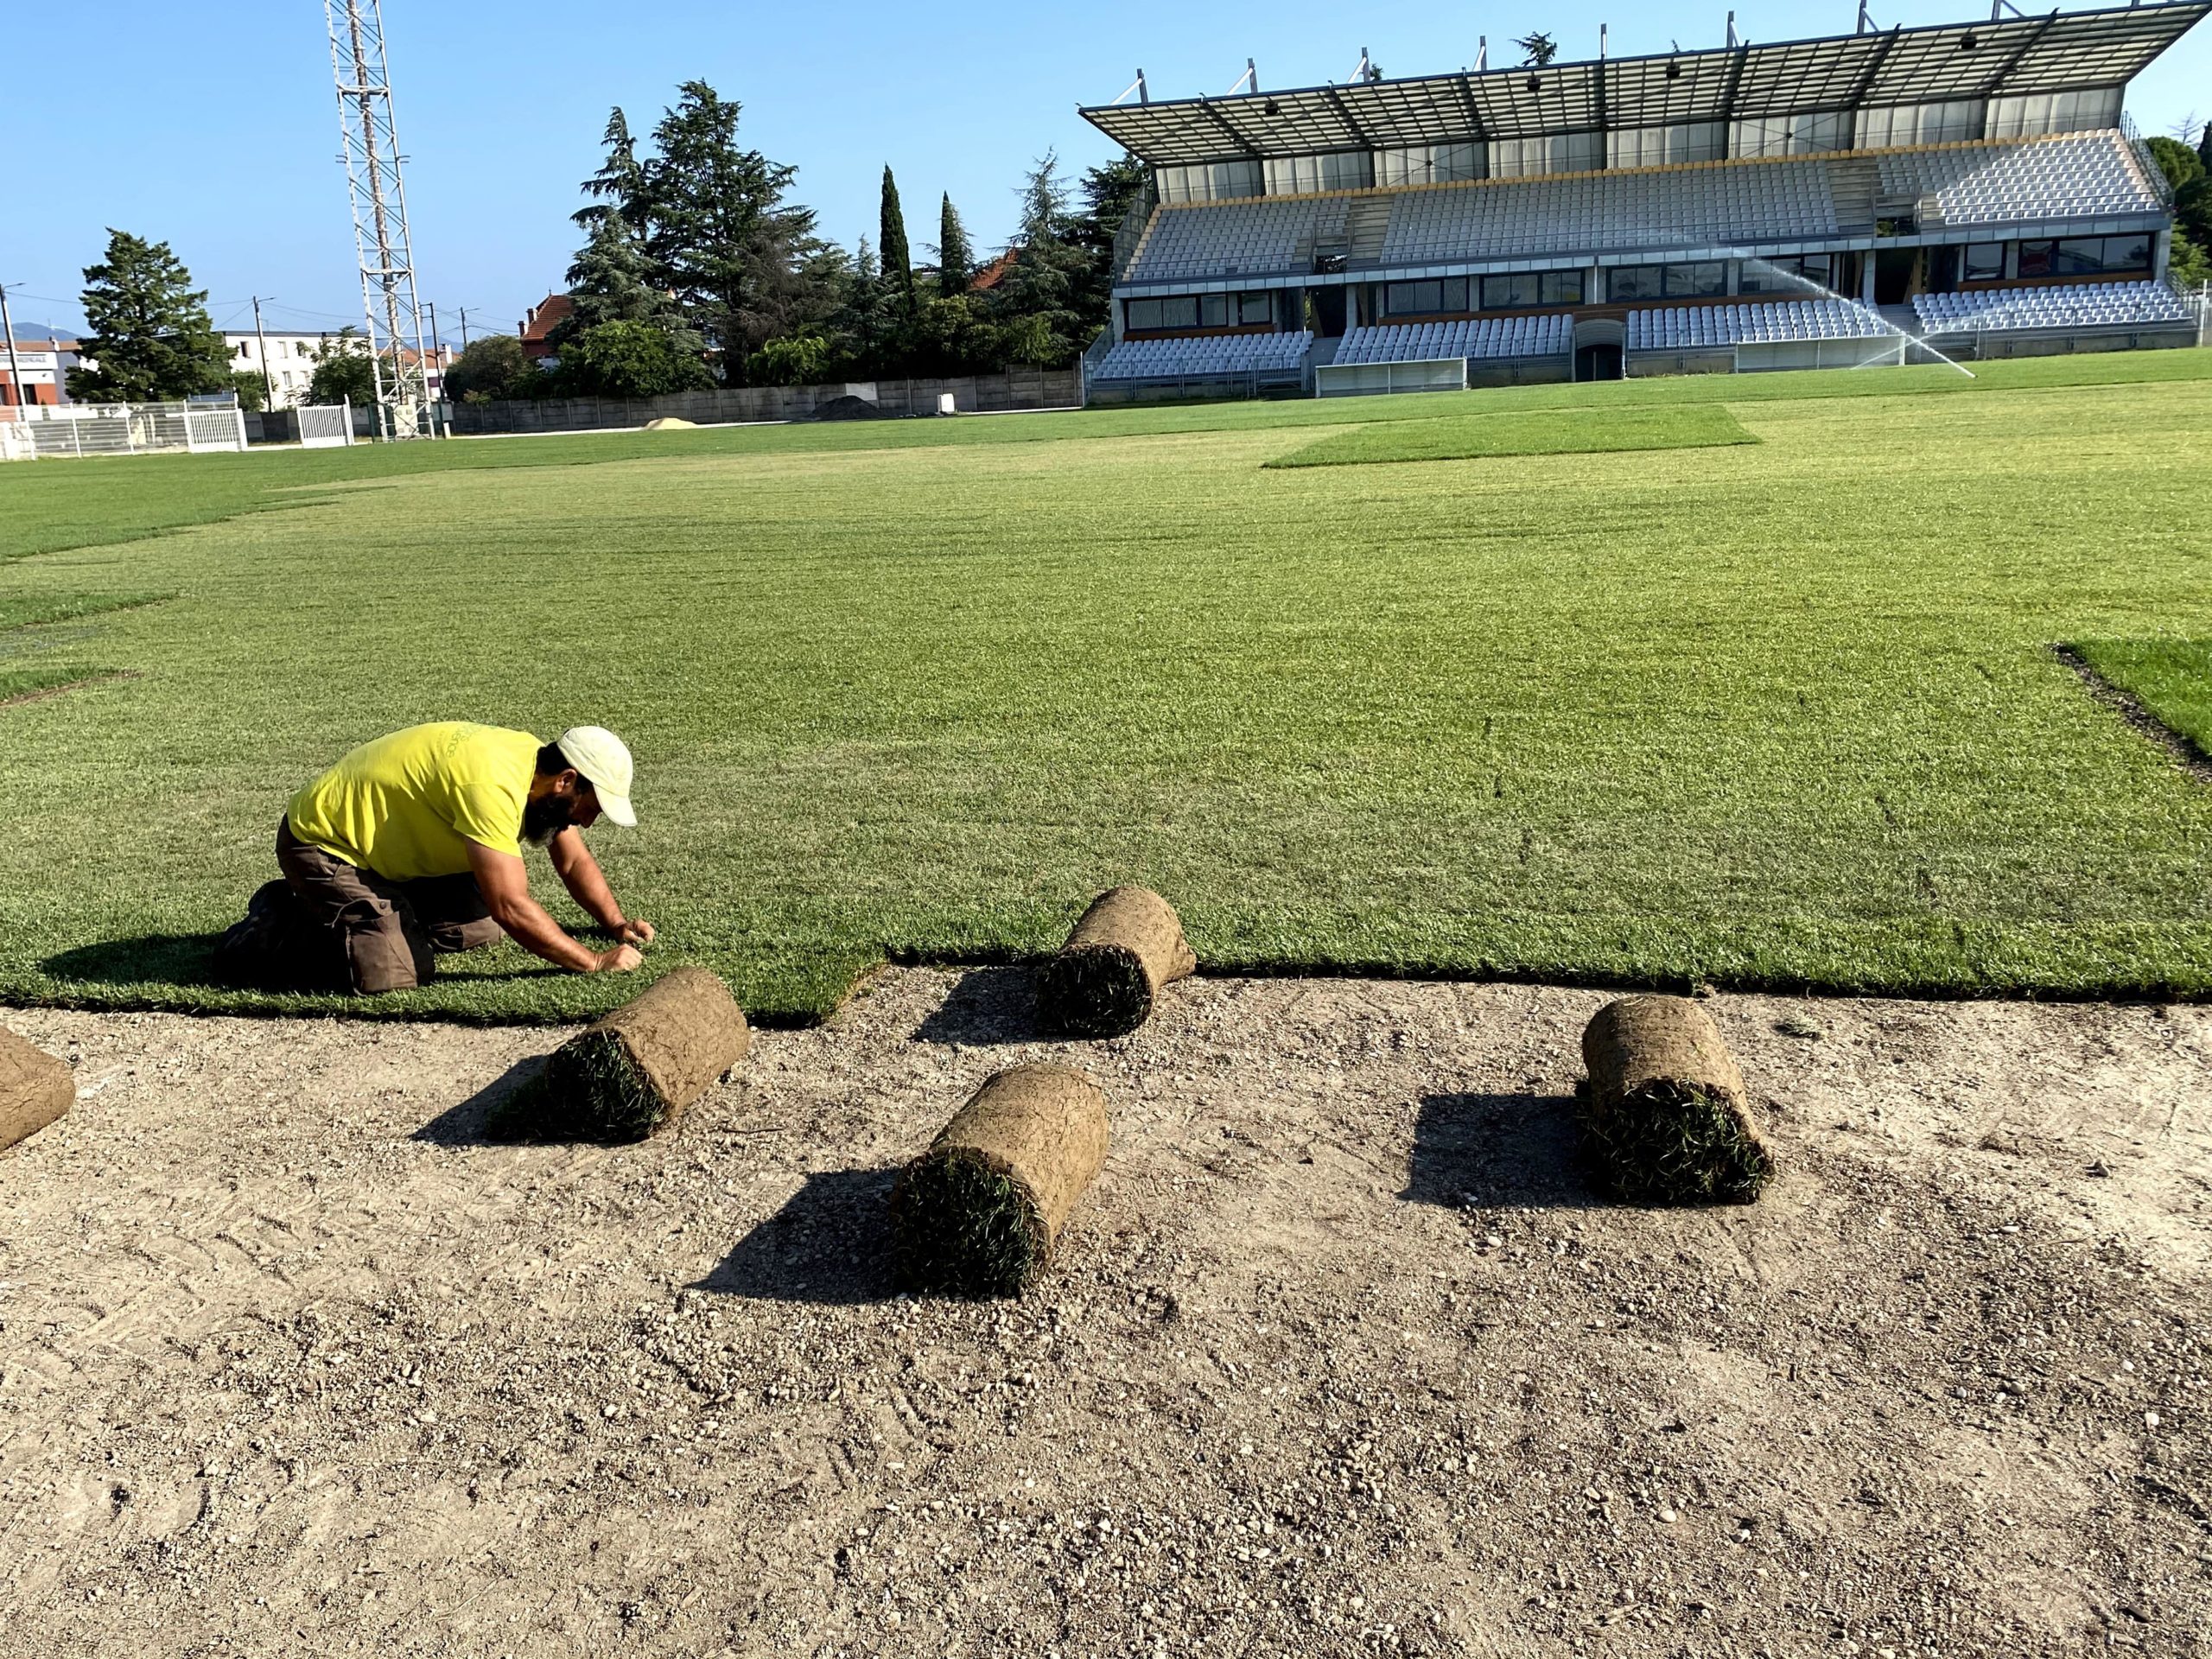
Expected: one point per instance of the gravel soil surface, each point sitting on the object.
(1343, 1354)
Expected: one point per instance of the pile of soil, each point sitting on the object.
(849, 408)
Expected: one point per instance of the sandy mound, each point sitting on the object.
(670, 423)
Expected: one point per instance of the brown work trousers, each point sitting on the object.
(381, 933)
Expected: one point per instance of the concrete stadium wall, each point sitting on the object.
(971, 394)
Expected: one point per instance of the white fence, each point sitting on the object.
(1365, 379)
(46, 431)
(325, 426)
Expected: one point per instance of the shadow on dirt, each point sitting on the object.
(484, 1120)
(1490, 1151)
(989, 1006)
(830, 1245)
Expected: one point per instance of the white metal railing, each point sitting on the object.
(52, 430)
(1367, 379)
(325, 426)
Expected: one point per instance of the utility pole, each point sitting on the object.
(267, 382)
(464, 328)
(437, 352)
(373, 181)
(14, 368)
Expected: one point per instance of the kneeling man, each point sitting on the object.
(412, 845)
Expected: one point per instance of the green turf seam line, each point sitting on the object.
(34, 610)
(2130, 707)
(19, 686)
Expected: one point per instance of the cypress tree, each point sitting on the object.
(897, 262)
(956, 260)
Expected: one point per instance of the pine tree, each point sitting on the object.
(613, 281)
(956, 260)
(148, 329)
(2204, 146)
(1109, 194)
(619, 186)
(898, 261)
(1541, 50)
(743, 263)
(1034, 303)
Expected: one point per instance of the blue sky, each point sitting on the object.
(219, 137)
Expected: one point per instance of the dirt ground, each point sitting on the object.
(1342, 1355)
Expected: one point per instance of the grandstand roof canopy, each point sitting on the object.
(2062, 52)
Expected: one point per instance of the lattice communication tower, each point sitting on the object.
(379, 198)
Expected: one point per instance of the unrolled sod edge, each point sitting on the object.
(980, 1212)
(35, 1089)
(636, 1071)
(1666, 1112)
(1104, 980)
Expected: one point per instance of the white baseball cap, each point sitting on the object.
(603, 759)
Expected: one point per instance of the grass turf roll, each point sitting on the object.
(637, 1070)
(1664, 1113)
(1105, 979)
(35, 1089)
(980, 1212)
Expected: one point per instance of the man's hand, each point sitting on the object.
(622, 959)
(635, 933)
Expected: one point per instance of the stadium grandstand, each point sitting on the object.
(1977, 187)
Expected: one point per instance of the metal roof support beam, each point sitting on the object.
(1598, 93)
(1206, 108)
(1474, 110)
(1728, 97)
(1874, 66)
(1344, 114)
(1993, 87)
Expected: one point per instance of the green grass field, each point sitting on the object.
(1783, 713)
(1549, 432)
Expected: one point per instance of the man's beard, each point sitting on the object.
(545, 817)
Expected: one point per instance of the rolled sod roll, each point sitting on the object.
(979, 1213)
(1128, 945)
(638, 1069)
(35, 1089)
(1665, 1112)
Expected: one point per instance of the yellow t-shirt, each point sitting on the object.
(406, 806)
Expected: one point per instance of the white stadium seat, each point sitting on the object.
(2081, 305)
(1484, 337)
(1695, 327)
(1205, 354)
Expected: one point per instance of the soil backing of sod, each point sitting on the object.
(1562, 432)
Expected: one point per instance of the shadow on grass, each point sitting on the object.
(181, 959)
(989, 1006)
(831, 1245)
(1493, 1151)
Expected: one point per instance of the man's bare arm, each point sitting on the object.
(580, 872)
(505, 884)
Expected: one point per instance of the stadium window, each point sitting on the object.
(1147, 317)
(1211, 181)
(1429, 164)
(1342, 169)
(1635, 282)
(1702, 141)
(1790, 274)
(2037, 259)
(1561, 288)
(1907, 124)
(1697, 282)
(2092, 256)
(1982, 262)
(1256, 310)
(1792, 135)
(1564, 152)
(2029, 118)
(1445, 297)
